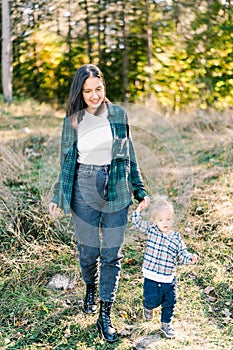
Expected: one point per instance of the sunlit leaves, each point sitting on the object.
(184, 58)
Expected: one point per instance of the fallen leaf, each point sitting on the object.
(208, 289)
(211, 309)
(226, 312)
(129, 326)
(58, 282)
(125, 333)
(155, 312)
(227, 319)
(67, 333)
(211, 299)
(124, 314)
(192, 276)
(130, 261)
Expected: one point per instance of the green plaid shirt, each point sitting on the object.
(124, 174)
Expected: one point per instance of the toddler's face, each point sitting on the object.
(165, 220)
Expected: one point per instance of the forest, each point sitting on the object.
(179, 52)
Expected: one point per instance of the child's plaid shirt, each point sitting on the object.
(163, 252)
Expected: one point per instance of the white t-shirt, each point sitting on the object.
(94, 139)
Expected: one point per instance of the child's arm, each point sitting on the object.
(140, 224)
(184, 257)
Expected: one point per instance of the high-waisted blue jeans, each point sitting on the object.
(99, 232)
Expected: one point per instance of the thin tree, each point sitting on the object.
(125, 71)
(149, 33)
(6, 52)
(88, 34)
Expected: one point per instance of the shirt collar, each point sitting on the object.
(111, 111)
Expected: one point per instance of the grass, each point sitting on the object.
(188, 159)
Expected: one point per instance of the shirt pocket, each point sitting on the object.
(120, 150)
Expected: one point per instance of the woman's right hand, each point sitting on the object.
(53, 210)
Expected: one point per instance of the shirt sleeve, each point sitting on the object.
(68, 145)
(141, 225)
(135, 177)
(57, 189)
(184, 257)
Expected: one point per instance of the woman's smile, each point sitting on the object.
(93, 93)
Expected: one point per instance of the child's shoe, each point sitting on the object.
(148, 314)
(167, 330)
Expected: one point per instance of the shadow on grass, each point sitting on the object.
(58, 331)
(86, 338)
(148, 340)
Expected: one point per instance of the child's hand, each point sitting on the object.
(143, 204)
(194, 259)
(139, 207)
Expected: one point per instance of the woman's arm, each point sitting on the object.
(135, 177)
(67, 145)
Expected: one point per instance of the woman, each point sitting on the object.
(98, 174)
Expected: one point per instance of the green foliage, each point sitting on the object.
(211, 49)
(189, 62)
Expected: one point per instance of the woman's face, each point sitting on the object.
(93, 93)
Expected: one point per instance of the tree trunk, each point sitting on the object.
(99, 31)
(88, 35)
(124, 56)
(6, 52)
(149, 33)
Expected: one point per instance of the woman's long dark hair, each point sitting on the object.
(76, 104)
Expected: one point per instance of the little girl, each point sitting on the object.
(164, 250)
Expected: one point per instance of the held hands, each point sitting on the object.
(143, 204)
(53, 210)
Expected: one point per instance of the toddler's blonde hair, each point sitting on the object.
(161, 205)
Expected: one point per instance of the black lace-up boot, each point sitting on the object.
(104, 323)
(90, 302)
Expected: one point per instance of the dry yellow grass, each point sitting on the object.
(189, 158)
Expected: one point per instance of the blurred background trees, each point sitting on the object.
(6, 52)
(179, 51)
